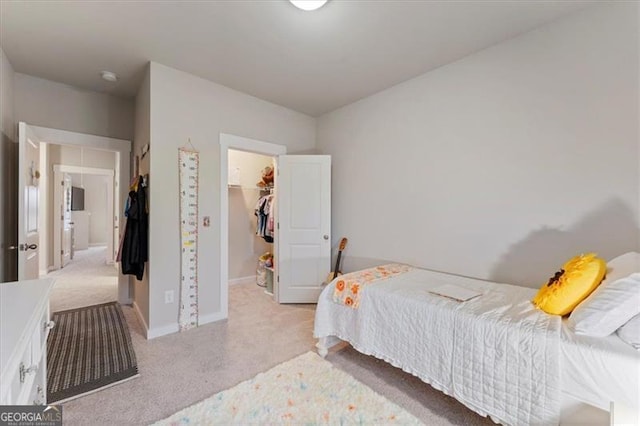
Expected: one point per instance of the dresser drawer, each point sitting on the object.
(31, 373)
(22, 378)
(39, 336)
(38, 394)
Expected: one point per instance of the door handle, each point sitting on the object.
(30, 247)
(326, 237)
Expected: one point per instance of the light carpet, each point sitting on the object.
(181, 369)
(86, 280)
(304, 390)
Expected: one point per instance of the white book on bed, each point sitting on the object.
(455, 292)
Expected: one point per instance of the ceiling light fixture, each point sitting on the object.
(308, 5)
(109, 76)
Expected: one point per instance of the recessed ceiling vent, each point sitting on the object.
(109, 76)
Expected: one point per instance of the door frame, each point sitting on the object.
(239, 143)
(56, 234)
(122, 148)
(57, 238)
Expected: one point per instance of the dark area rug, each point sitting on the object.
(88, 349)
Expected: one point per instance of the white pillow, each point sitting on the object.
(622, 266)
(630, 332)
(609, 307)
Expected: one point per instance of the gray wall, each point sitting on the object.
(59, 106)
(142, 137)
(501, 165)
(8, 174)
(184, 106)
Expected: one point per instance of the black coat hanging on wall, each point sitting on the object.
(135, 245)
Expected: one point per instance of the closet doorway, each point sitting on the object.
(302, 224)
(239, 195)
(251, 219)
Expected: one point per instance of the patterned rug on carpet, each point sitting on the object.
(88, 349)
(305, 390)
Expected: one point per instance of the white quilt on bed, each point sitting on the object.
(496, 353)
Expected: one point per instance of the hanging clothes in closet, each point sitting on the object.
(264, 214)
(134, 250)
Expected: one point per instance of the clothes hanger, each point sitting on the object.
(133, 186)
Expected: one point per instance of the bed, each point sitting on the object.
(495, 353)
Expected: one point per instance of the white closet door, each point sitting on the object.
(303, 205)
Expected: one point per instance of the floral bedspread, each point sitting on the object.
(349, 287)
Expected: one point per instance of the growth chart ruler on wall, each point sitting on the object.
(188, 164)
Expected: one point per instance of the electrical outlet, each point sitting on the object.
(168, 296)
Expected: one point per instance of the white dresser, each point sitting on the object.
(24, 327)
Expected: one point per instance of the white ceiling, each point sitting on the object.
(312, 62)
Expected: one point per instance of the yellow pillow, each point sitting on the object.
(571, 285)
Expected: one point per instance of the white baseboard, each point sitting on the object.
(216, 316)
(152, 333)
(145, 327)
(98, 244)
(173, 328)
(251, 279)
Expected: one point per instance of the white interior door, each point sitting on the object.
(28, 205)
(303, 239)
